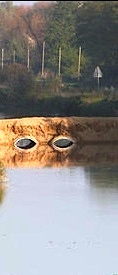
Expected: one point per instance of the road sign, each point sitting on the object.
(97, 74)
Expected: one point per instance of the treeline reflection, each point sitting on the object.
(103, 176)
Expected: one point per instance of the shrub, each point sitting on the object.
(20, 81)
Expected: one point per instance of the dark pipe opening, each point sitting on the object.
(25, 143)
(62, 142)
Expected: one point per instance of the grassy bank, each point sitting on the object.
(52, 98)
(58, 106)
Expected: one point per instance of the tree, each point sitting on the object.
(11, 35)
(20, 81)
(97, 33)
(6, 5)
(61, 32)
(35, 22)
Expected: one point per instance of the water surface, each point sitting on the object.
(61, 221)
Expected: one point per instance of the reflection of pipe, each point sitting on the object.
(45, 156)
(85, 132)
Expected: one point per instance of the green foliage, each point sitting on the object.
(56, 106)
(61, 32)
(6, 5)
(67, 25)
(97, 33)
(19, 80)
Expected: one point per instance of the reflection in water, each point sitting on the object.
(47, 156)
(90, 156)
(103, 176)
(54, 222)
(103, 187)
(63, 219)
(3, 183)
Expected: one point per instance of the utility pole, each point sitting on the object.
(14, 56)
(43, 58)
(79, 61)
(59, 61)
(28, 64)
(2, 59)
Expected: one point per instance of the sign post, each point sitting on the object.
(2, 58)
(97, 74)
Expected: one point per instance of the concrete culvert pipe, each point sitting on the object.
(62, 143)
(25, 143)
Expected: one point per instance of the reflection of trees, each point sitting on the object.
(3, 182)
(103, 176)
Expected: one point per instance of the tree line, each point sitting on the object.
(65, 25)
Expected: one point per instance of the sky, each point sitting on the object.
(24, 2)
(29, 3)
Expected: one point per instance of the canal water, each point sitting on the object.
(60, 220)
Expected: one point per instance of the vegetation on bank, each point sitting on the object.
(31, 77)
(57, 106)
(65, 25)
(21, 94)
